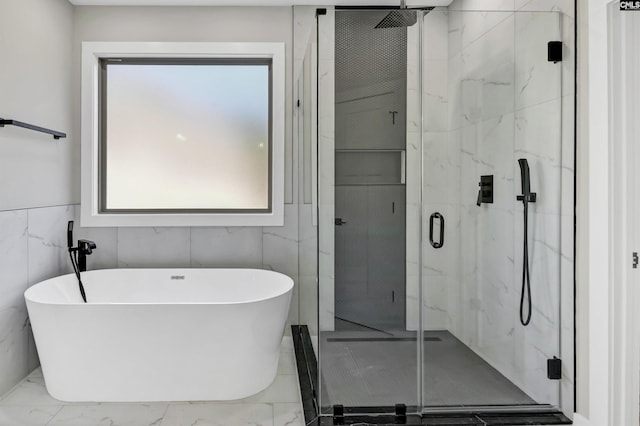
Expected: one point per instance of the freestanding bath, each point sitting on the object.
(160, 334)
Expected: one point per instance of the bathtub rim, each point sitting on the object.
(28, 294)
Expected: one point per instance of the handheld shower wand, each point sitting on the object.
(526, 198)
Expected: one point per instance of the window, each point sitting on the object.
(183, 134)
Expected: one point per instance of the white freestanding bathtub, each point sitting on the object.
(160, 334)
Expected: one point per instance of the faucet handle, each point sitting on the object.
(86, 246)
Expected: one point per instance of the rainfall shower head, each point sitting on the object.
(402, 17)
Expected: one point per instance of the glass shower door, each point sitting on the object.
(421, 236)
(490, 98)
(368, 355)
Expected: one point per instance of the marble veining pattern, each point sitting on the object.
(499, 94)
(13, 315)
(28, 404)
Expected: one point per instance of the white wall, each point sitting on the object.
(35, 170)
(35, 87)
(273, 248)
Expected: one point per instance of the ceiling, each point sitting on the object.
(394, 3)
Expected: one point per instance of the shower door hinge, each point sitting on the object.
(401, 414)
(338, 414)
(554, 368)
(298, 104)
(321, 11)
(634, 265)
(554, 51)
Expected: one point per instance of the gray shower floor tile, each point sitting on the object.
(382, 372)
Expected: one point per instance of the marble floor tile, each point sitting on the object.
(287, 363)
(27, 415)
(204, 414)
(283, 389)
(110, 415)
(30, 392)
(287, 344)
(288, 415)
(29, 404)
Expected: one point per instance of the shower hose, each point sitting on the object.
(76, 270)
(526, 282)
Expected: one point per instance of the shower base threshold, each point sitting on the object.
(478, 419)
(513, 415)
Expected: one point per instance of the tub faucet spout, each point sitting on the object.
(85, 248)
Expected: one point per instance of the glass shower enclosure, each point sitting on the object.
(439, 136)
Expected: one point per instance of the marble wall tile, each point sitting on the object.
(483, 5)
(106, 254)
(486, 22)
(567, 175)
(540, 144)
(308, 299)
(434, 302)
(435, 96)
(48, 255)
(564, 6)
(14, 326)
(542, 336)
(33, 247)
(307, 240)
(13, 344)
(303, 24)
(495, 278)
(483, 307)
(280, 244)
(435, 167)
(280, 253)
(436, 35)
(326, 145)
(569, 56)
(454, 92)
(537, 80)
(455, 23)
(228, 247)
(154, 247)
(495, 156)
(13, 256)
(308, 269)
(488, 71)
(33, 359)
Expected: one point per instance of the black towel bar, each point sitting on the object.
(56, 135)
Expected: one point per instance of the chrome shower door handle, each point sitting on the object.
(440, 242)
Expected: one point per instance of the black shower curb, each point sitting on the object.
(307, 367)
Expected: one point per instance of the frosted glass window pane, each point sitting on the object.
(186, 137)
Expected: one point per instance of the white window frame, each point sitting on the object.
(92, 52)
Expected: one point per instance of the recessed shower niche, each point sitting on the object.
(420, 274)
